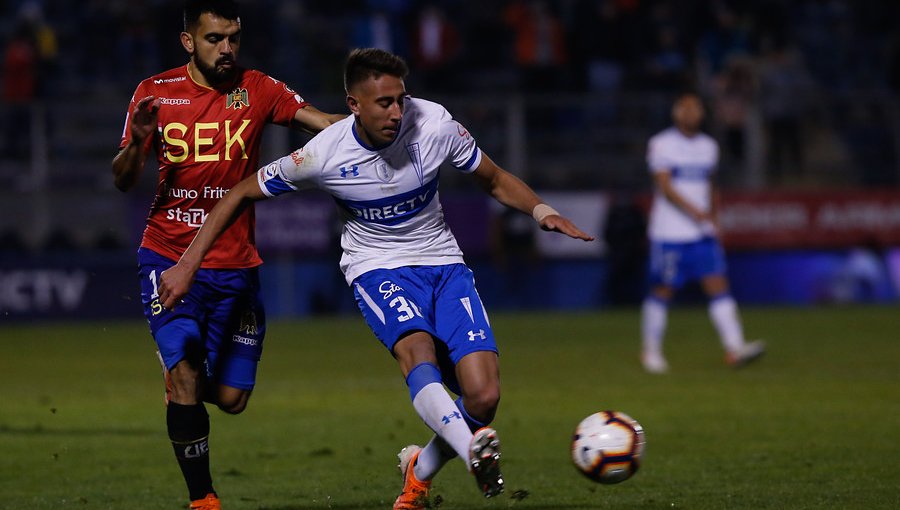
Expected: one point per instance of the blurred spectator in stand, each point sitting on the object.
(383, 25)
(483, 27)
(733, 94)
(435, 48)
(20, 78)
(540, 46)
(868, 134)
(668, 67)
(514, 253)
(625, 234)
(136, 47)
(600, 35)
(601, 46)
(726, 40)
(785, 89)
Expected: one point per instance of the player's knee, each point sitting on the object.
(482, 404)
(233, 401)
(184, 382)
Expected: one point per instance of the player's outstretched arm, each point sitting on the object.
(129, 162)
(511, 191)
(312, 120)
(175, 282)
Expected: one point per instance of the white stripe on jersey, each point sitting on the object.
(369, 301)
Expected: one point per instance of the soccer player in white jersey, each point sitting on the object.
(407, 272)
(683, 235)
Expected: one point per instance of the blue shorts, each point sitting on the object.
(225, 304)
(674, 264)
(439, 300)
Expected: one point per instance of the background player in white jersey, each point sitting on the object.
(683, 235)
(405, 267)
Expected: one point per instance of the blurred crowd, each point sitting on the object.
(797, 84)
(775, 57)
(466, 45)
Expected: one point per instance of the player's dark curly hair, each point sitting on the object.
(363, 63)
(227, 9)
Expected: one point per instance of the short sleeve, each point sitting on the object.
(463, 152)
(284, 100)
(293, 172)
(658, 158)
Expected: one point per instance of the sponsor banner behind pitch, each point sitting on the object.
(69, 286)
(810, 220)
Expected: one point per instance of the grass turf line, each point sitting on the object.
(813, 425)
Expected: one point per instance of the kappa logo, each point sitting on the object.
(237, 99)
(176, 101)
(353, 171)
(477, 334)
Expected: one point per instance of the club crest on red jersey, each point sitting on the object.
(237, 99)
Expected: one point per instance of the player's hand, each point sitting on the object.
(557, 223)
(174, 283)
(709, 228)
(143, 118)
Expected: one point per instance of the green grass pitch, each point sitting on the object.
(816, 424)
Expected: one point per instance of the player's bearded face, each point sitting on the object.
(214, 48)
(221, 71)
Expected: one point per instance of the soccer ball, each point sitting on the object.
(607, 446)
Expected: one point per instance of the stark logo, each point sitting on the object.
(237, 99)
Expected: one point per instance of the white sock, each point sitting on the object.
(654, 314)
(724, 315)
(432, 458)
(439, 412)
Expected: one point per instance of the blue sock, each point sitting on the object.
(471, 422)
(420, 376)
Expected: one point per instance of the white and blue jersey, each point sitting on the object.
(680, 249)
(388, 196)
(399, 255)
(691, 161)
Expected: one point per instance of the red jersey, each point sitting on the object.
(206, 142)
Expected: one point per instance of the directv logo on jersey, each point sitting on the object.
(392, 210)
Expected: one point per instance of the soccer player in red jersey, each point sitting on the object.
(204, 122)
